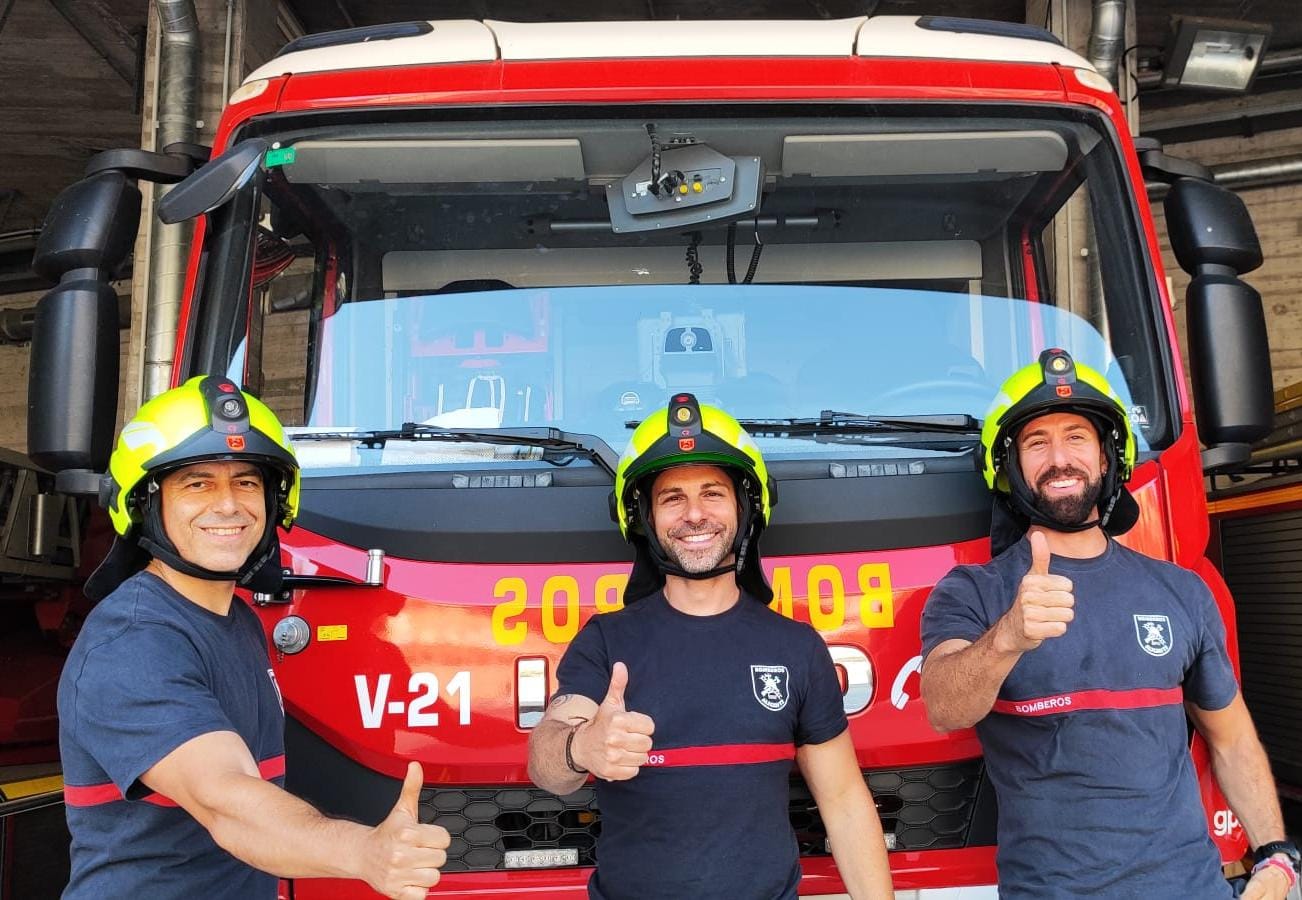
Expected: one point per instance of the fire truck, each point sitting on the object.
(461, 259)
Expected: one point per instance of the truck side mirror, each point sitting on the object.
(1214, 240)
(214, 183)
(72, 391)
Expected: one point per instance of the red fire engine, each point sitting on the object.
(461, 258)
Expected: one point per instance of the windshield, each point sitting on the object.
(525, 274)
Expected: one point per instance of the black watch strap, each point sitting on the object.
(1288, 848)
(569, 752)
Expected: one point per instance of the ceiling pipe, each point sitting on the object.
(1255, 173)
(1247, 174)
(178, 91)
(1107, 35)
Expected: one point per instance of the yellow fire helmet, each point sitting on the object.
(1055, 383)
(207, 418)
(690, 433)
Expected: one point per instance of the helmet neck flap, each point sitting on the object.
(130, 553)
(153, 539)
(687, 433)
(1022, 495)
(208, 418)
(651, 564)
(1060, 391)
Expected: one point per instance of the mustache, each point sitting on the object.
(1058, 472)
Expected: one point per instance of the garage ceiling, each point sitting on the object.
(61, 100)
(69, 67)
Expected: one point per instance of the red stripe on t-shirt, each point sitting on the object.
(720, 755)
(1053, 704)
(274, 767)
(97, 794)
(90, 794)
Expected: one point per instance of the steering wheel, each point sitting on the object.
(977, 395)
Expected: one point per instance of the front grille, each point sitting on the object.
(486, 822)
(925, 808)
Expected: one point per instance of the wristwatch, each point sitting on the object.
(1287, 848)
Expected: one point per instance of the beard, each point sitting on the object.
(707, 557)
(1072, 510)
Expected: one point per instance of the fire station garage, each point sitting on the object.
(559, 216)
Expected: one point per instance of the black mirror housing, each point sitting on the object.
(73, 380)
(92, 225)
(1214, 240)
(1210, 226)
(214, 183)
(1232, 383)
(73, 383)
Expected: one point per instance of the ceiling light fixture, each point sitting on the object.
(1214, 54)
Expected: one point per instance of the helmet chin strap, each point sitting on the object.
(1023, 501)
(740, 542)
(668, 567)
(1023, 497)
(153, 540)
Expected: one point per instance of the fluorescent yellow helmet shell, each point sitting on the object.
(685, 433)
(207, 418)
(1054, 383)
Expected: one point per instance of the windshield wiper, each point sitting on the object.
(554, 439)
(834, 422)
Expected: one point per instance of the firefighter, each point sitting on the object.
(690, 704)
(170, 721)
(1077, 659)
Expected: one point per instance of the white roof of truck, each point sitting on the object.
(465, 40)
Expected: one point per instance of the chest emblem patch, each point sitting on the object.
(1153, 634)
(771, 685)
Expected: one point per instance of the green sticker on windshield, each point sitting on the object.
(280, 157)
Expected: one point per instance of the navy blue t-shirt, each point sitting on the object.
(1087, 744)
(149, 671)
(732, 695)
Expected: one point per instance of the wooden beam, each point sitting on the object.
(104, 32)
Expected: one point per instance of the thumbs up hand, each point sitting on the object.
(1043, 608)
(402, 856)
(614, 745)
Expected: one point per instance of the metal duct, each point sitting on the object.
(178, 90)
(16, 324)
(1259, 172)
(1107, 35)
(1251, 173)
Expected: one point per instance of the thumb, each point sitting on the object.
(409, 797)
(1039, 554)
(618, 681)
